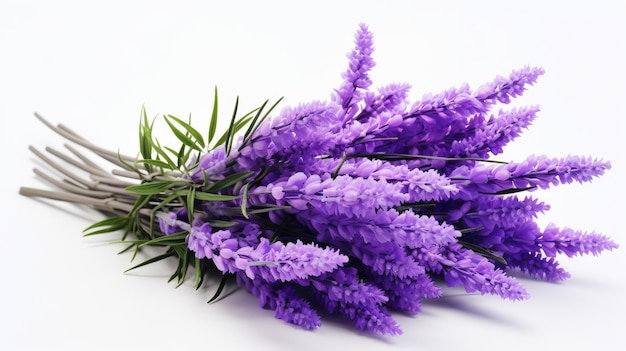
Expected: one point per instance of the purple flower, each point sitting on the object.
(173, 222)
(341, 293)
(404, 229)
(465, 267)
(284, 300)
(295, 136)
(492, 135)
(210, 167)
(405, 294)
(297, 261)
(420, 185)
(356, 78)
(344, 195)
(535, 171)
(503, 89)
(571, 242)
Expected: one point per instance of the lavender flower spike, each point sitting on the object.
(356, 78)
(296, 261)
(535, 171)
(571, 242)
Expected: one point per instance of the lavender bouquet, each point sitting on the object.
(356, 206)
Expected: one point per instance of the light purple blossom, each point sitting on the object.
(535, 171)
(356, 204)
(464, 267)
(356, 78)
(573, 242)
(297, 261)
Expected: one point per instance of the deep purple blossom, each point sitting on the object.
(405, 294)
(340, 292)
(283, 299)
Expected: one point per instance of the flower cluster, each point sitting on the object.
(353, 206)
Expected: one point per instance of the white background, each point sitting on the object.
(92, 66)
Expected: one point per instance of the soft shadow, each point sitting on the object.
(461, 303)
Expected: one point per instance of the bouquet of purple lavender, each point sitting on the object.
(354, 206)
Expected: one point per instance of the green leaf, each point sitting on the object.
(145, 136)
(213, 122)
(159, 150)
(190, 203)
(171, 240)
(169, 253)
(182, 136)
(244, 202)
(150, 188)
(192, 131)
(400, 157)
(253, 122)
(511, 191)
(156, 163)
(222, 224)
(255, 125)
(202, 196)
(238, 125)
(336, 171)
(197, 281)
(230, 133)
(483, 252)
(230, 180)
(220, 288)
(108, 225)
(268, 209)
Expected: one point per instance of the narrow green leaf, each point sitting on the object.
(184, 266)
(202, 196)
(256, 125)
(213, 122)
(400, 157)
(254, 121)
(220, 288)
(222, 224)
(150, 188)
(197, 281)
(182, 136)
(336, 171)
(238, 125)
(169, 253)
(511, 191)
(230, 180)
(483, 252)
(156, 163)
(145, 136)
(172, 239)
(231, 129)
(108, 225)
(159, 150)
(191, 130)
(191, 199)
(244, 202)
(268, 209)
